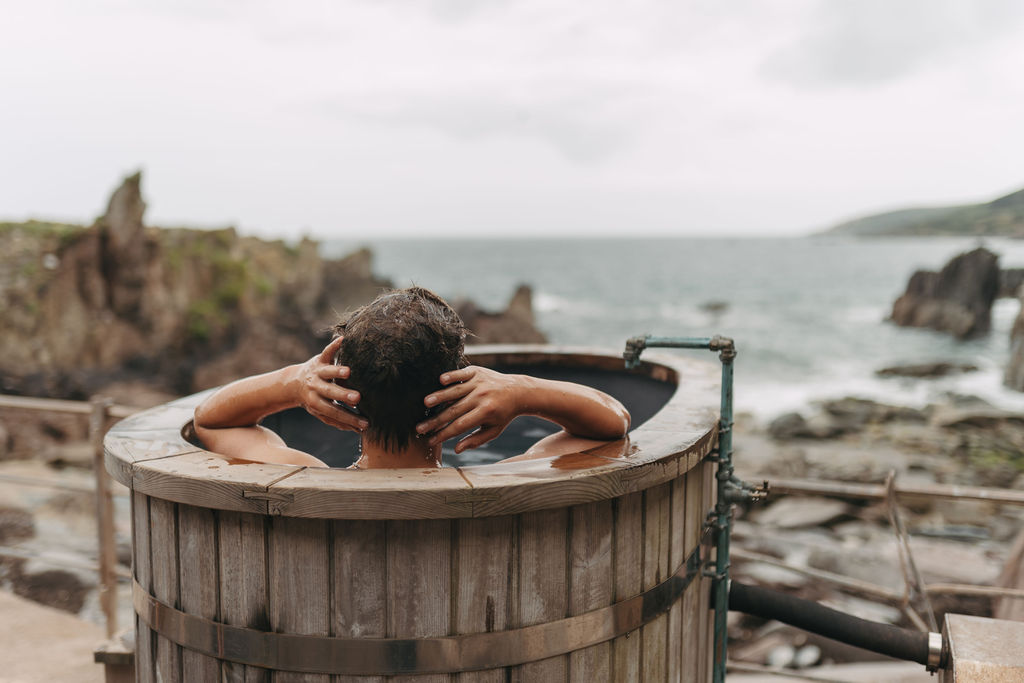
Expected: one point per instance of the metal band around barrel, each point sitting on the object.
(388, 656)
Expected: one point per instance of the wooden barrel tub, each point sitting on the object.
(584, 567)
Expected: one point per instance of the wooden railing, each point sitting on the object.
(102, 413)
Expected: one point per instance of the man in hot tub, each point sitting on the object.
(396, 373)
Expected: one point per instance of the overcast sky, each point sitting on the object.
(379, 118)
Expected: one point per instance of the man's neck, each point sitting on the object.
(416, 454)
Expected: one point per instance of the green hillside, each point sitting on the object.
(1003, 217)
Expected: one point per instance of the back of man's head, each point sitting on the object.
(396, 348)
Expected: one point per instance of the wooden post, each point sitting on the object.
(104, 514)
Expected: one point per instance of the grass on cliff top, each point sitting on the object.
(1001, 217)
(42, 228)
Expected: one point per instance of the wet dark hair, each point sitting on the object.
(397, 347)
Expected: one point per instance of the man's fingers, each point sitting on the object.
(477, 438)
(456, 427)
(332, 372)
(328, 413)
(441, 419)
(447, 395)
(462, 375)
(327, 355)
(334, 392)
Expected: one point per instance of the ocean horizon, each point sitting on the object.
(808, 313)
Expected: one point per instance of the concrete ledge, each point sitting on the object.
(983, 650)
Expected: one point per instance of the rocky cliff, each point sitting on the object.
(182, 309)
(958, 299)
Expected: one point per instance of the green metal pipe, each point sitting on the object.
(728, 490)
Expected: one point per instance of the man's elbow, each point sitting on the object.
(616, 425)
(624, 420)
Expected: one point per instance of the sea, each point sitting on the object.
(808, 314)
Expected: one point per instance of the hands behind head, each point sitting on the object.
(478, 399)
(317, 390)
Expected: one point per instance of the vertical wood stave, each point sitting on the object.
(419, 583)
(678, 551)
(197, 547)
(360, 584)
(540, 593)
(591, 583)
(629, 548)
(164, 526)
(656, 555)
(483, 576)
(690, 652)
(299, 584)
(708, 632)
(142, 569)
(242, 552)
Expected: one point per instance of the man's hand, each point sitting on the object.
(317, 389)
(480, 399)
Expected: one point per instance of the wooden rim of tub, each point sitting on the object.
(148, 453)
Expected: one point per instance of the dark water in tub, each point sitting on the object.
(642, 396)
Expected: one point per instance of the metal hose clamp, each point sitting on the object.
(934, 652)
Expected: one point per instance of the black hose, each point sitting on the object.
(885, 639)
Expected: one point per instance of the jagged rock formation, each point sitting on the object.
(958, 299)
(181, 309)
(515, 325)
(185, 308)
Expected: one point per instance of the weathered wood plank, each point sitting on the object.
(197, 547)
(591, 583)
(163, 523)
(629, 547)
(207, 480)
(657, 541)
(172, 415)
(419, 583)
(360, 586)
(541, 590)
(707, 611)
(299, 584)
(243, 584)
(142, 569)
(484, 567)
(677, 553)
(690, 641)
(373, 494)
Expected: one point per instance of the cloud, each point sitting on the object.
(876, 41)
(584, 123)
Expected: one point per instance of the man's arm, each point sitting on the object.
(486, 400)
(227, 422)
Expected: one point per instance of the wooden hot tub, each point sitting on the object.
(583, 567)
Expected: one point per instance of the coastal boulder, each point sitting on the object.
(958, 299)
(1014, 375)
(514, 325)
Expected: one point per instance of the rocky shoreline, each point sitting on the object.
(961, 441)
